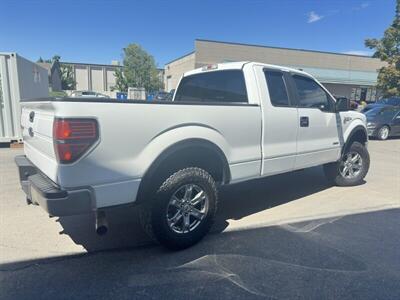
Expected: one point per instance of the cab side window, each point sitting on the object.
(389, 113)
(310, 94)
(278, 93)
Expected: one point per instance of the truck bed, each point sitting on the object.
(134, 133)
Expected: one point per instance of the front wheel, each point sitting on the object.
(182, 210)
(352, 167)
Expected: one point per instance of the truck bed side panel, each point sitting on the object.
(133, 135)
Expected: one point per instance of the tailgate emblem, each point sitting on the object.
(31, 116)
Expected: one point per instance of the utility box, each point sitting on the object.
(19, 79)
(136, 93)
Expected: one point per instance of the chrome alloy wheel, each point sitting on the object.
(187, 208)
(350, 165)
(384, 133)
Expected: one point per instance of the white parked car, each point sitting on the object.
(227, 123)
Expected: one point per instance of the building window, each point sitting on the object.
(367, 94)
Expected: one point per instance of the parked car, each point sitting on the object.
(393, 101)
(87, 94)
(353, 104)
(161, 96)
(227, 123)
(383, 122)
(171, 95)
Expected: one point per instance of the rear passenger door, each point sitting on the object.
(279, 122)
(318, 137)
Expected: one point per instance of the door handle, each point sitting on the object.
(304, 122)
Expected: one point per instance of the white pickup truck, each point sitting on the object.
(227, 123)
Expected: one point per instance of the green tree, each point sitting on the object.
(66, 73)
(388, 49)
(56, 58)
(139, 70)
(67, 77)
(120, 81)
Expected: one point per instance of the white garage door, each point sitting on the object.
(97, 79)
(82, 78)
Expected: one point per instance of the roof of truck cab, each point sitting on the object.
(237, 65)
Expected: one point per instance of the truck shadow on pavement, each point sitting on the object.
(236, 201)
(336, 260)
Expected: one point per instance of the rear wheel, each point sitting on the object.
(183, 209)
(351, 168)
(383, 133)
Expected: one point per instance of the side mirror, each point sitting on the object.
(342, 104)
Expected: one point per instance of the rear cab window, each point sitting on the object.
(225, 87)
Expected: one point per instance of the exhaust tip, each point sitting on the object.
(101, 223)
(101, 230)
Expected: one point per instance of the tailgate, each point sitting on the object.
(37, 130)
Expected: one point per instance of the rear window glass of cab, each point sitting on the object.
(227, 86)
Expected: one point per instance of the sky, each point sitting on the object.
(96, 31)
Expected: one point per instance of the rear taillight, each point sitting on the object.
(73, 137)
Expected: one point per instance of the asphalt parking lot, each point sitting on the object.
(287, 236)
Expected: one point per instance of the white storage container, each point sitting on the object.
(19, 79)
(136, 93)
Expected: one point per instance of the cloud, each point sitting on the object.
(361, 6)
(313, 17)
(358, 52)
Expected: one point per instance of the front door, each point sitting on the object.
(318, 136)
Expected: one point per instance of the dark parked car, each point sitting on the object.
(393, 101)
(161, 96)
(383, 121)
(171, 95)
(353, 104)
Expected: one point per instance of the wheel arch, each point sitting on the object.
(357, 134)
(385, 124)
(193, 152)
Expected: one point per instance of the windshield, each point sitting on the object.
(372, 112)
(390, 101)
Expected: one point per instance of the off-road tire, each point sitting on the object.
(153, 216)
